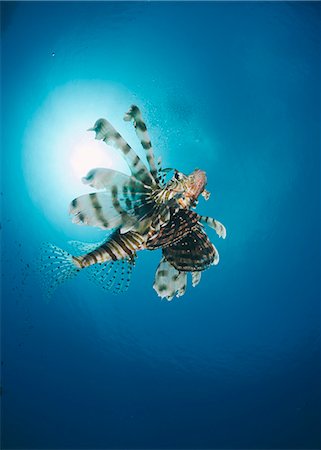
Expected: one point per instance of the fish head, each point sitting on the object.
(189, 186)
(195, 184)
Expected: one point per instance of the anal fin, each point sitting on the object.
(114, 276)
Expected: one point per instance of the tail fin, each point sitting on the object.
(56, 267)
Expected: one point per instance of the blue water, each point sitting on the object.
(234, 89)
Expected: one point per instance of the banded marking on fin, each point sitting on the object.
(134, 114)
(194, 252)
(181, 223)
(102, 178)
(106, 132)
(196, 278)
(108, 210)
(169, 281)
(215, 224)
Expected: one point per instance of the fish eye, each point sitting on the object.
(179, 175)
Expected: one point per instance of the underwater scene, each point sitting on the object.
(160, 225)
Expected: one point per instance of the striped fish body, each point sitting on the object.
(117, 247)
(125, 245)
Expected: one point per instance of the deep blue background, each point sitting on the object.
(233, 88)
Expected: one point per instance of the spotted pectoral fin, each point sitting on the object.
(169, 282)
(106, 132)
(194, 252)
(181, 223)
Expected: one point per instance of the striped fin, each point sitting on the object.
(180, 224)
(161, 216)
(196, 278)
(160, 175)
(193, 253)
(106, 132)
(95, 210)
(169, 281)
(215, 224)
(107, 210)
(114, 276)
(101, 178)
(117, 247)
(134, 114)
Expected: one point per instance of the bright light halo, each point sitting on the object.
(87, 154)
(58, 149)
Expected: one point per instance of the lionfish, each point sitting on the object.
(141, 211)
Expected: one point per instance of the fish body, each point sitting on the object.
(117, 247)
(139, 212)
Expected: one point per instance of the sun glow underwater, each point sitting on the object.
(58, 149)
